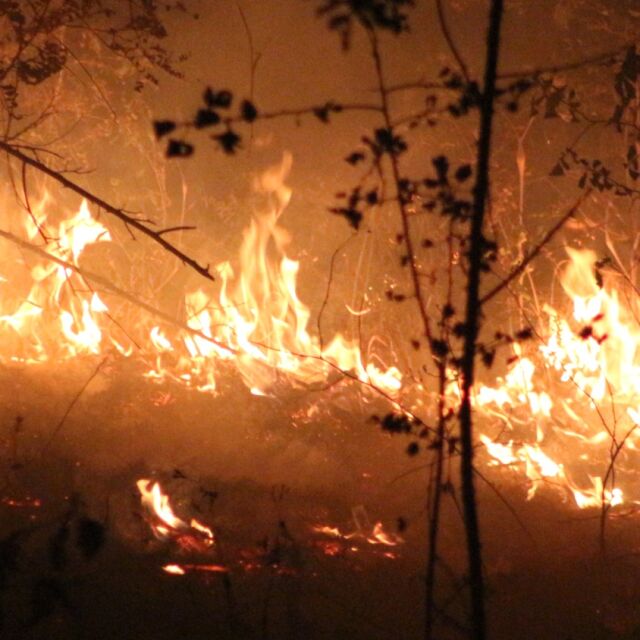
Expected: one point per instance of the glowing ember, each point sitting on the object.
(380, 536)
(374, 535)
(183, 569)
(23, 503)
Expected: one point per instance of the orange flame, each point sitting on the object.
(165, 524)
(257, 321)
(582, 389)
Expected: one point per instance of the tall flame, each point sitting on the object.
(257, 322)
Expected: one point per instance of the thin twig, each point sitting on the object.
(442, 19)
(182, 227)
(325, 301)
(536, 250)
(602, 58)
(27, 203)
(70, 407)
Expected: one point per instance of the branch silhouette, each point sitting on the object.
(128, 220)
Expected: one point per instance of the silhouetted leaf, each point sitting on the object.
(223, 99)
(206, 118)
(488, 357)
(389, 15)
(439, 348)
(322, 113)
(163, 127)
(524, 334)
(355, 158)
(448, 311)
(441, 165)
(220, 99)
(386, 141)
(558, 170)
(229, 141)
(179, 149)
(353, 216)
(248, 111)
(395, 423)
(459, 329)
(586, 332)
(463, 172)
(413, 449)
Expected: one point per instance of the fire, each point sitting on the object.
(567, 410)
(166, 525)
(57, 317)
(256, 320)
(183, 569)
(580, 390)
(373, 534)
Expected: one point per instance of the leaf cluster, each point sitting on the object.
(594, 174)
(40, 38)
(215, 114)
(387, 15)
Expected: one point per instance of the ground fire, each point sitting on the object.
(587, 357)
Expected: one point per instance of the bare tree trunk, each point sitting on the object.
(473, 321)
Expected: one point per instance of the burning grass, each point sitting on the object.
(295, 484)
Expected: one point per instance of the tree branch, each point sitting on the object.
(452, 45)
(602, 58)
(473, 321)
(114, 211)
(536, 250)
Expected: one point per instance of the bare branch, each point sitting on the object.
(452, 45)
(536, 250)
(114, 211)
(183, 227)
(602, 58)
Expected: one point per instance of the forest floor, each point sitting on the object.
(265, 474)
